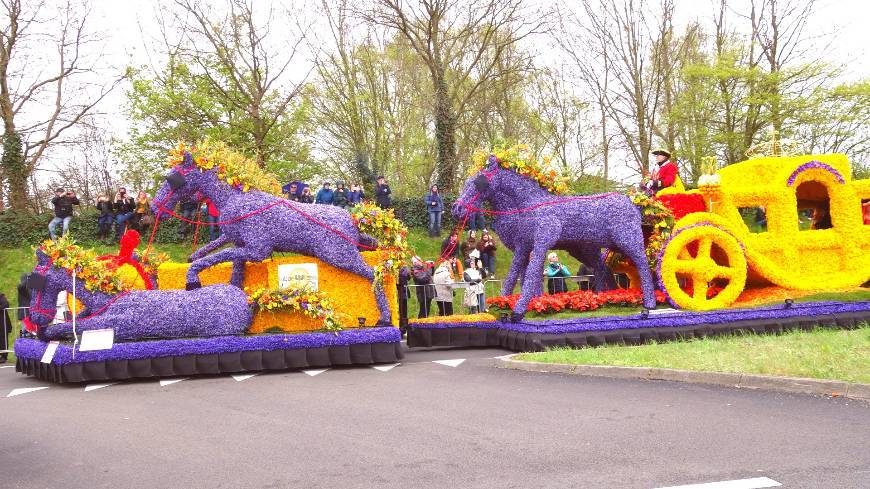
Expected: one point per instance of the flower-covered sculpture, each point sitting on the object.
(136, 314)
(257, 222)
(530, 221)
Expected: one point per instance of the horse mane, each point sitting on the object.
(96, 275)
(522, 161)
(231, 167)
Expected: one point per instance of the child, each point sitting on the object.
(474, 299)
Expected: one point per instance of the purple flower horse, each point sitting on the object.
(531, 221)
(258, 223)
(215, 310)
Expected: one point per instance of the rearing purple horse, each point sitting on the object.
(531, 221)
(258, 223)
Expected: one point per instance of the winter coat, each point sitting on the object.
(124, 206)
(63, 205)
(355, 197)
(306, 199)
(188, 206)
(486, 247)
(7, 324)
(382, 196)
(556, 270)
(324, 196)
(475, 287)
(339, 198)
(467, 247)
(443, 279)
(105, 208)
(446, 245)
(212, 210)
(434, 203)
(422, 275)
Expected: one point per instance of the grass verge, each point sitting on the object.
(818, 354)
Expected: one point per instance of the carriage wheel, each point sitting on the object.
(702, 267)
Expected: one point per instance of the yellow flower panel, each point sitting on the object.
(288, 322)
(349, 294)
(458, 318)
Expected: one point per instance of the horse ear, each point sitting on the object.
(481, 183)
(176, 180)
(41, 257)
(35, 281)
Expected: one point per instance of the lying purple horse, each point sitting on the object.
(138, 314)
(257, 224)
(581, 225)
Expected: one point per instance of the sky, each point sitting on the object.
(130, 25)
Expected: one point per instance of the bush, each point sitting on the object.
(22, 228)
(412, 211)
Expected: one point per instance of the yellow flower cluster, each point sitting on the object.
(151, 259)
(64, 253)
(458, 318)
(234, 168)
(313, 304)
(520, 159)
(391, 234)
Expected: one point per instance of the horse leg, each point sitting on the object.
(238, 275)
(631, 245)
(533, 281)
(208, 248)
(518, 263)
(591, 256)
(353, 262)
(240, 255)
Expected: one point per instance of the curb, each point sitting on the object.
(833, 388)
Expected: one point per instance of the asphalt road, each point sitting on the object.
(424, 424)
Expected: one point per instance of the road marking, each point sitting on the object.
(312, 373)
(93, 387)
(24, 390)
(754, 483)
(385, 368)
(7, 366)
(241, 377)
(504, 357)
(165, 382)
(450, 363)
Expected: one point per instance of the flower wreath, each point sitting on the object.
(314, 304)
(390, 233)
(234, 168)
(521, 160)
(95, 274)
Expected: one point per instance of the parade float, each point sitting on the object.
(717, 270)
(237, 306)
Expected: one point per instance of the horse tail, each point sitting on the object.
(366, 242)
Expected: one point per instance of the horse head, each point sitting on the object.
(45, 284)
(477, 190)
(182, 182)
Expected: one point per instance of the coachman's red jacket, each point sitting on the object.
(666, 174)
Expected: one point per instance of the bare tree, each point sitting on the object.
(242, 62)
(43, 97)
(461, 42)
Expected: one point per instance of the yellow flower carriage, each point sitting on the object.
(752, 231)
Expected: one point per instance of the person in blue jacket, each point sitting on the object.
(435, 206)
(356, 195)
(324, 195)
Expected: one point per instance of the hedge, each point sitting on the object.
(21, 228)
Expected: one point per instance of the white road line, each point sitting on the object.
(93, 387)
(312, 373)
(165, 382)
(450, 363)
(504, 357)
(7, 366)
(754, 483)
(24, 390)
(241, 377)
(385, 368)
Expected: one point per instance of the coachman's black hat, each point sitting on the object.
(662, 153)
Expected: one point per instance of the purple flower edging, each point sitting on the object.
(814, 164)
(34, 349)
(610, 323)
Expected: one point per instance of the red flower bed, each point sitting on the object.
(577, 300)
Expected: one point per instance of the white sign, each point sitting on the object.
(97, 339)
(49, 352)
(297, 276)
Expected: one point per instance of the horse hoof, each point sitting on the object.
(517, 317)
(192, 285)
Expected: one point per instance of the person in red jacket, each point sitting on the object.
(666, 174)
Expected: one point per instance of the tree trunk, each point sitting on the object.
(445, 137)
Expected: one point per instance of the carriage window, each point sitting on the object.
(755, 218)
(865, 211)
(814, 206)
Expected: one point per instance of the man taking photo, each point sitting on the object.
(63, 203)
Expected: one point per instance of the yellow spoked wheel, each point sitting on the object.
(702, 267)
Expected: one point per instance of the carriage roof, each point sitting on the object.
(775, 172)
